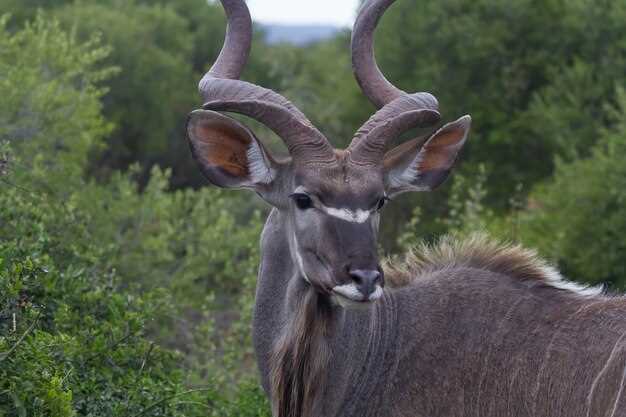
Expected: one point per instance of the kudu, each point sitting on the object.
(477, 329)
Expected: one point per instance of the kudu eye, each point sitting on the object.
(302, 201)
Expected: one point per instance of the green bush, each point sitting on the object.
(155, 86)
(577, 218)
(114, 300)
(51, 89)
(73, 343)
(111, 332)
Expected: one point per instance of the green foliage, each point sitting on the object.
(319, 80)
(103, 318)
(249, 401)
(51, 93)
(77, 346)
(114, 301)
(206, 23)
(152, 47)
(468, 213)
(517, 67)
(577, 218)
(24, 10)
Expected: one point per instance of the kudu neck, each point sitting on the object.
(347, 340)
(277, 272)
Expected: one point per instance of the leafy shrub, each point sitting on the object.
(114, 301)
(577, 218)
(51, 93)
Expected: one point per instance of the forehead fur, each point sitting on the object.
(341, 185)
(480, 252)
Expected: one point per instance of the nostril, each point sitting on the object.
(356, 278)
(365, 279)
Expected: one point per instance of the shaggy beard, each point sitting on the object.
(300, 358)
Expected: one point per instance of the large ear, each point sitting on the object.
(411, 167)
(228, 153)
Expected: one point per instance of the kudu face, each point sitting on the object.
(332, 198)
(334, 214)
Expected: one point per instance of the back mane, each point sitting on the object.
(480, 252)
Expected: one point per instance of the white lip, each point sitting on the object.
(378, 292)
(351, 292)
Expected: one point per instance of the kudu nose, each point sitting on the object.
(365, 280)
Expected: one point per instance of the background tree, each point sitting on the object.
(577, 217)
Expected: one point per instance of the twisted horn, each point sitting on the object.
(399, 111)
(371, 80)
(369, 143)
(234, 54)
(222, 90)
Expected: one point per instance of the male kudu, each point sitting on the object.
(477, 330)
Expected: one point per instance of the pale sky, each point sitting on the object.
(296, 12)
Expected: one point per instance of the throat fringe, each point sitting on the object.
(300, 357)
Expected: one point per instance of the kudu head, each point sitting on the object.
(332, 197)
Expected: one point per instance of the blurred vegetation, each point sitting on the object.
(126, 287)
(110, 298)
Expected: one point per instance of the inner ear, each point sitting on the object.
(228, 153)
(410, 167)
(220, 145)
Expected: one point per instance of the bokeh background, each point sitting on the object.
(126, 284)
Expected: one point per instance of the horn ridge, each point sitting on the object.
(398, 111)
(366, 71)
(221, 89)
(370, 141)
(237, 42)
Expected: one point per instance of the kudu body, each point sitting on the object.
(477, 329)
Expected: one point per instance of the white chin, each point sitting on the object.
(349, 296)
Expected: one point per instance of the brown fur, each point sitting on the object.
(222, 146)
(476, 251)
(300, 357)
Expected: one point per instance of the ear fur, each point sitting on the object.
(409, 167)
(228, 153)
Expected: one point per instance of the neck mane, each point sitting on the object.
(480, 252)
